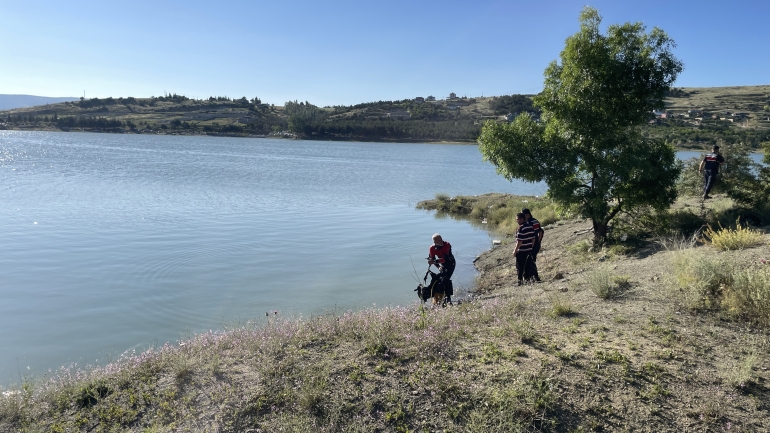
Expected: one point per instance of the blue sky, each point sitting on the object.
(345, 52)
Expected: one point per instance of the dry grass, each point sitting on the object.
(739, 238)
(545, 357)
(738, 289)
(607, 285)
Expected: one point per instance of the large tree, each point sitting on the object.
(588, 146)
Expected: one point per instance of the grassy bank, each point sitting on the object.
(663, 335)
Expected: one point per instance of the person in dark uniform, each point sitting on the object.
(440, 254)
(710, 168)
(538, 239)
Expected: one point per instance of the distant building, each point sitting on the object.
(452, 96)
(399, 114)
(430, 98)
(419, 99)
(693, 113)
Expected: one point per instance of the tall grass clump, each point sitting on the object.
(749, 294)
(741, 237)
(739, 290)
(606, 285)
(701, 278)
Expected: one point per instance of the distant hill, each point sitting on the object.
(693, 117)
(8, 102)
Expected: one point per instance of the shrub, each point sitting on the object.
(719, 284)
(690, 182)
(580, 247)
(701, 278)
(749, 295)
(606, 285)
(739, 238)
(561, 307)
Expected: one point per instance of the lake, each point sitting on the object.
(118, 242)
(113, 242)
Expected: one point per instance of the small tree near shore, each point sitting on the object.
(588, 147)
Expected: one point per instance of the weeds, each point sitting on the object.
(739, 238)
(561, 307)
(739, 374)
(709, 283)
(606, 285)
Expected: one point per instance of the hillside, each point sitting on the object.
(694, 117)
(9, 102)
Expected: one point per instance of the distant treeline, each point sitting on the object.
(512, 104)
(173, 98)
(708, 134)
(422, 122)
(405, 119)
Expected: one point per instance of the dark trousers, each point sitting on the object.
(535, 250)
(445, 275)
(525, 266)
(711, 178)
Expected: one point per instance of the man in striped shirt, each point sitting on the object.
(538, 239)
(525, 242)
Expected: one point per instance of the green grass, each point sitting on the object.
(497, 211)
(606, 285)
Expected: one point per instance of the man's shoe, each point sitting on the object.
(706, 196)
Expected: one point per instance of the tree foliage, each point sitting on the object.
(752, 188)
(589, 147)
(511, 104)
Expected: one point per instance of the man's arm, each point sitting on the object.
(516, 250)
(702, 163)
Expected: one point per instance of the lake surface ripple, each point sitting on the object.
(112, 242)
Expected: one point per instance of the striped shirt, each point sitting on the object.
(525, 234)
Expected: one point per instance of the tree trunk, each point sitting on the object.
(600, 233)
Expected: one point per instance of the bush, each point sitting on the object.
(737, 178)
(727, 239)
(580, 247)
(606, 285)
(749, 294)
(723, 285)
(690, 182)
(701, 279)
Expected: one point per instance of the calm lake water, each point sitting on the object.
(113, 242)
